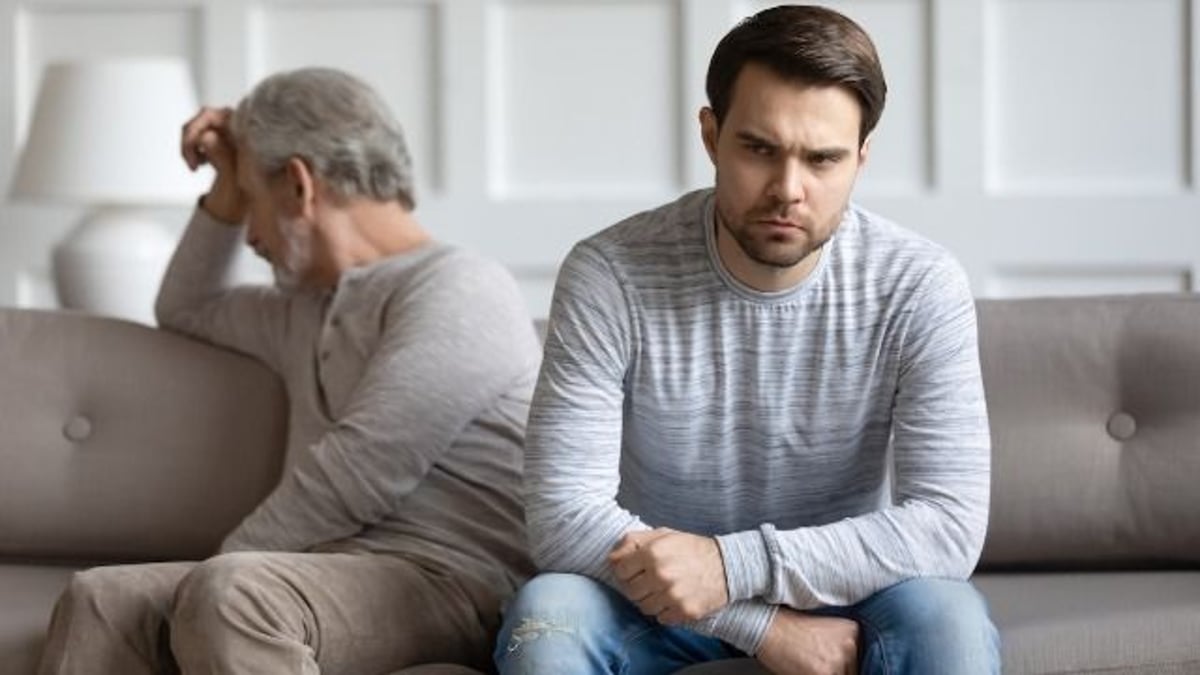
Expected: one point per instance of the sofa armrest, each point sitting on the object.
(122, 442)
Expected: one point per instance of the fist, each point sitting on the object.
(674, 576)
(803, 644)
(207, 139)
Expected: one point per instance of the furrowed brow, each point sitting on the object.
(747, 137)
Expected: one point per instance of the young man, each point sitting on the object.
(728, 382)
(396, 531)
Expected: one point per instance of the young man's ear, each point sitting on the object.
(301, 186)
(708, 132)
(864, 150)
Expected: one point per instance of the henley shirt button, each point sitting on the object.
(325, 355)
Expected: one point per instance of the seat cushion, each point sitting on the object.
(29, 594)
(1118, 623)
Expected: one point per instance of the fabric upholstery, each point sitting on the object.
(1095, 416)
(28, 593)
(184, 439)
(1116, 623)
(123, 442)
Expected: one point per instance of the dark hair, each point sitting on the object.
(814, 45)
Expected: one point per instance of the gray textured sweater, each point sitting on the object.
(833, 436)
(409, 388)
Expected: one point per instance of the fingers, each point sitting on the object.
(656, 604)
(624, 548)
(631, 543)
(203, 135)
(626, 569)
(670, 616)
(640, 587)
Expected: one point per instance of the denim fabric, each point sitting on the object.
(565, 623)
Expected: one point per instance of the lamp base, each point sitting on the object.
(112, 264)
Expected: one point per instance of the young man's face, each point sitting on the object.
(786, 158)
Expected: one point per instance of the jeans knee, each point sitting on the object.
(946, 621)
(551, 623)
(553, 594)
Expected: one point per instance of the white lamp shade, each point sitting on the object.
(107, 132)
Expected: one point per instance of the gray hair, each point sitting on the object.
(337, 124)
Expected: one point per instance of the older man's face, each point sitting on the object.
(282, 239)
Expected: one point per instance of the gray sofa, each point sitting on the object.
(121, 443)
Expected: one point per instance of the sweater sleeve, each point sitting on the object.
(573, 446)
(450, 346)
(198, 298)
(941, 452)
(573, 451)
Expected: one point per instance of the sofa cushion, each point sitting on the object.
(121, 442)
(1095, 416)
(1116, 623)
(29, 594)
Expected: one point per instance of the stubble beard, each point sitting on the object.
(771, 250)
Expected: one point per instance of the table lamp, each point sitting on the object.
(105, 135)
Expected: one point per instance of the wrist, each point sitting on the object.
(743, 624)
(224, 203)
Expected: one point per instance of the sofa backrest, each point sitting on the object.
(121, 442)
(1095, 413)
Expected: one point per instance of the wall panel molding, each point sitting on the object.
(584, 98)
(1079, 107)
(394, 47)
(535, 123)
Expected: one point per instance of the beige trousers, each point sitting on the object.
(269, 613)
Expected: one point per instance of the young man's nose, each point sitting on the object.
(787, 183)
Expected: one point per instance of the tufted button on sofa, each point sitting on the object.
(122, 443)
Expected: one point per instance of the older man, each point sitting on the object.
(395, 533)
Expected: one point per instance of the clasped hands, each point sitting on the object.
(677, 577)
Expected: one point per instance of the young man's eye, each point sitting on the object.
(760, 149)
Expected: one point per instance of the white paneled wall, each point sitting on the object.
(1051, 144)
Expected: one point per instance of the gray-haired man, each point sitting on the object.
(395, 533)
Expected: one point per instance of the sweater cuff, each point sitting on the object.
(744, 625)
(747, 564)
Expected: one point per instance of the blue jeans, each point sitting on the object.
(566, 623)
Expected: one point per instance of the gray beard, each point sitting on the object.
(297, 257)
(285, 280)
